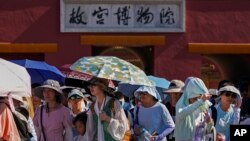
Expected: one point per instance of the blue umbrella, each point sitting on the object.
(127, 89)
(40, 71)
(160, 83)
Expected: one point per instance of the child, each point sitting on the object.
(80, 124)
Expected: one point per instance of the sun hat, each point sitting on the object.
(229, 89)
(175, 86)
(52, 84)
(150, 90)
(76, 93)
(104, 84)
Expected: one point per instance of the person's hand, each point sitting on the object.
(104, 117)
(238, 102)
(208, 118)
(205, 97)
(152, 138)
(220, 137)
(137, 130)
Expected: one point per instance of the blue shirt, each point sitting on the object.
(225, 119)
(154, 119)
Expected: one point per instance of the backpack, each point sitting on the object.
(22, 127)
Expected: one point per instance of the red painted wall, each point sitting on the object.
(39, 22)
(207, 21)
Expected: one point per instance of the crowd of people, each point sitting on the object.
(189, 112)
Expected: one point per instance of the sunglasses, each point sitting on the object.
(74, 97)
(233, 95)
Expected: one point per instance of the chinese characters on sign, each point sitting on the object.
(121, 16)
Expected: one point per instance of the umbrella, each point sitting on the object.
(113, 68)
(15, 80)
(40, 71)
(74, 79)
(160, 83)
(127, 89)
(65, 69)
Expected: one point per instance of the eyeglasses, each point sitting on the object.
(233, 95)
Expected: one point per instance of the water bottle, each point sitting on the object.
(146, 134)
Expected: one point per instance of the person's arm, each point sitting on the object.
(237, 111)
(67, 123)
(182, 113)
(164, 133)
(201, 104)
(168, 122)
(68, 134)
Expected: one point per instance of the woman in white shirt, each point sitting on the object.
(106, 118)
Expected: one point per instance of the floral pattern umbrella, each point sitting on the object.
(110, 67)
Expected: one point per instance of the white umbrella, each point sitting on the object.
(14, 79)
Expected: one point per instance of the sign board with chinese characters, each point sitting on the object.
(123, 16)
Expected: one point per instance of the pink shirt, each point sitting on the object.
(54, 123)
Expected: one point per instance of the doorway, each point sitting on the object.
(141, 57)
(232, 67)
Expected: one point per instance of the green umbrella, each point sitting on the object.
(110, 67)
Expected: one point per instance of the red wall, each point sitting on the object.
(39, 22)
(207, 21)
